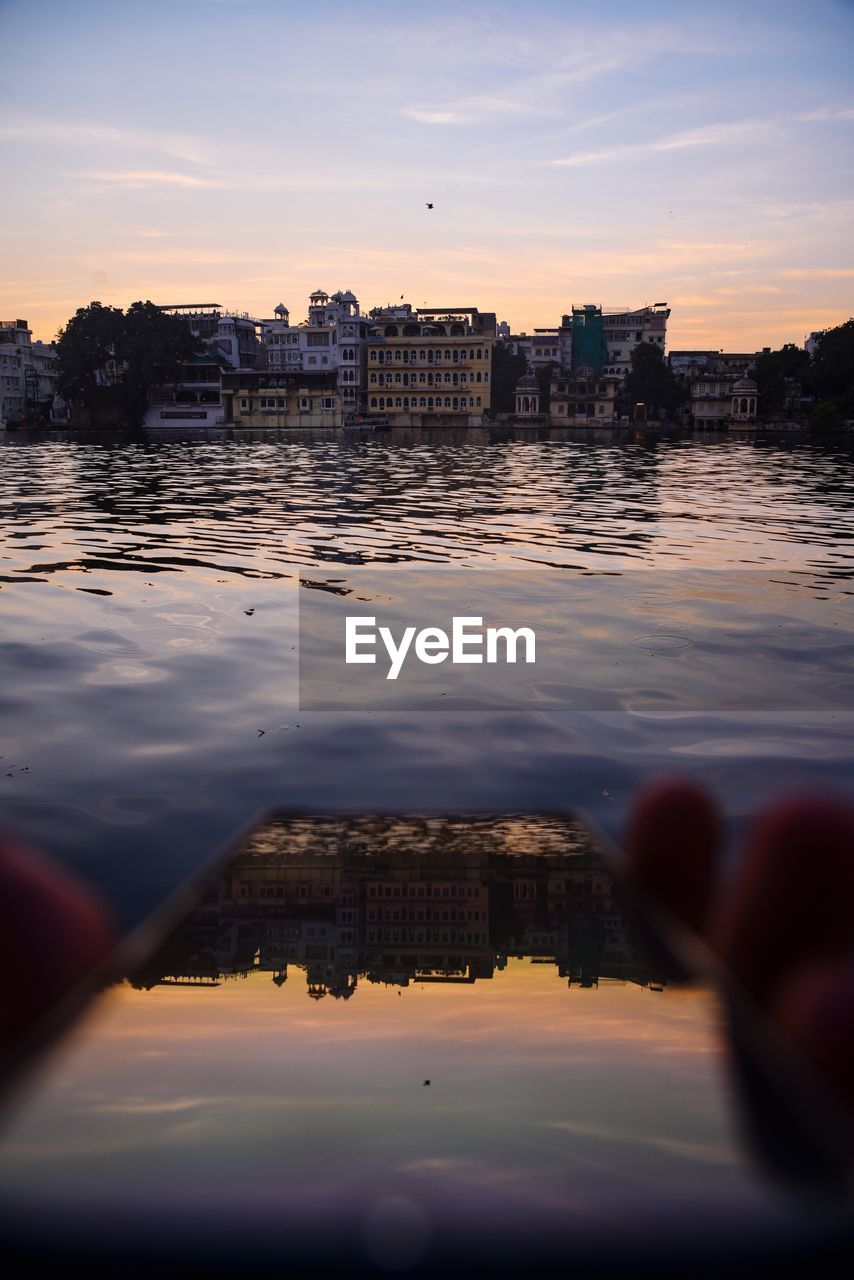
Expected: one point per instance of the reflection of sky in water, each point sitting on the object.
(579, 1101)
(140, 728)
(148, 710)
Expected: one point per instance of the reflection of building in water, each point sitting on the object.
(404, 900)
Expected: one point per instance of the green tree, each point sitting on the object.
(153, 347)
(825, 416)
(85, 348)
(779, 374)
(544, 375)
(652, 383)
(140, 348)
(507, 369)
(832, 372)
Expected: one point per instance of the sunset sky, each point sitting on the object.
(248, 151)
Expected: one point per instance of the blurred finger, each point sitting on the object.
(53, 933)
(672, 844)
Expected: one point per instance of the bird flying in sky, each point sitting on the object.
(429, 206)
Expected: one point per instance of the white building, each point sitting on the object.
(334, 337)
(27, 378)
(624, 330)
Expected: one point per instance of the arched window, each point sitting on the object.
(479, 353)
(464, 404)
(406, 402)
(447, 402)
(373, 377)
(422, 377)
(429, 402)
(456, 402)
(456, 379)
(422, 354)
(447, 355)
(397, 402)
(373, 402)
(397, 377)
(447, 377)
(390, 331)
(423, 402)
(478, 402)
(477, 376)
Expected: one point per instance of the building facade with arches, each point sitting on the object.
(430, 366)
(333, 338)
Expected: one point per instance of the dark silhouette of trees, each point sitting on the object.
(650, 382)
(507, 369)
(86, 350)
(780, 377)
(831, 376)
(133, 350)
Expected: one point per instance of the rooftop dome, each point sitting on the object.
(281, 310)
(745, 386)
(347, 296)
(527, 382)
(319, 295)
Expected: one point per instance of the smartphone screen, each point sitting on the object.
(393, 1030)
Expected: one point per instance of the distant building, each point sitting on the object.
(622, 331)
(333, 338)
(27, 378)
(744, 401)
(271, 399)
(430, 365)
(528, 396)
(594, 337)
(583, 398)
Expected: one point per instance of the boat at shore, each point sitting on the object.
(174, 414)
(358, 424)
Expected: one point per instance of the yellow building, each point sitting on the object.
(430, 366)
(281, 400)
(583, 398)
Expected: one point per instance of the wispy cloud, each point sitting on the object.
(818, 273)
(134, 179)
(571, 57)
(712, 135)
(69, 132)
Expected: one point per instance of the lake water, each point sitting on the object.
(149, 711)
(148, 653)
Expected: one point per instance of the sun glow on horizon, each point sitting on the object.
(694, 157)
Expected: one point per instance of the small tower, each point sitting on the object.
(744, 396)
(281, 313)
(527, 397)
(317, 307)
